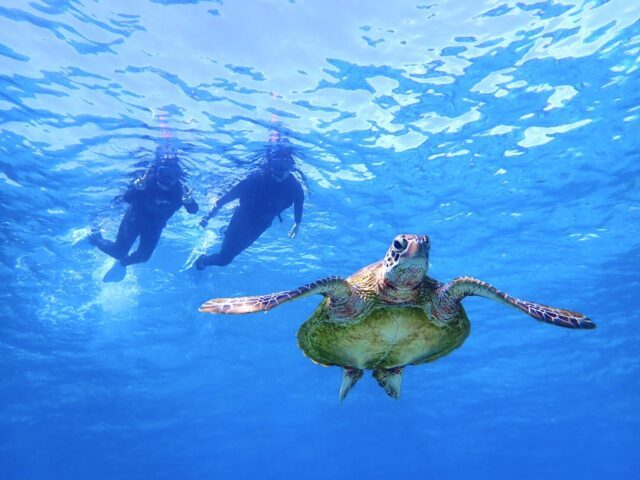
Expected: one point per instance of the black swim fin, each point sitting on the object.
(116, 273)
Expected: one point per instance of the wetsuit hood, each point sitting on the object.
(168, 173)
(280, 164)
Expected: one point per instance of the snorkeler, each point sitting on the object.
(263, 195)
(153, 199)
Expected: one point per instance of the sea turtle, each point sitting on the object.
(388, 315)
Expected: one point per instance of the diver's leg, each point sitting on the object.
(149, 237)
(241, 233)
(236, 240)
(127, 233)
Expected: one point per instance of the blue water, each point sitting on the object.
(506, 131)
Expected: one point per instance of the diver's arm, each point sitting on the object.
(212, 213)
(238, 190)
(298, 204)
(187, 200)
(230, 196)
(137, 186)
(132, 194)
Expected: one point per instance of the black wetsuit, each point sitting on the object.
(146, 217)
(261, 199)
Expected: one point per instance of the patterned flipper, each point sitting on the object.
(327, 286)
(459, 288)
(390, 379)
(350, 376)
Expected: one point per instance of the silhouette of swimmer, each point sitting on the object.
(152, 199)
(263, 195)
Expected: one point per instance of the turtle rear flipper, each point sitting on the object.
(334, 287)
(390, 379)
(459, 288)
(349, 378)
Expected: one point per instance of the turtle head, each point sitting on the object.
(407, 261)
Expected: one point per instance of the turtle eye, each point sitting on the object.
(399, 244)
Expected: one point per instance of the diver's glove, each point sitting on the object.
(205, 220)
(187, 195)
(294, 230)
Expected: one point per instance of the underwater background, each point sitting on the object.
(507, 131)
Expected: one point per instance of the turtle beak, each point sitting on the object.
(418, 248)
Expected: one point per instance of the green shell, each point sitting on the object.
(386, 338)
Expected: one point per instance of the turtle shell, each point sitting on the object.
(388, 337)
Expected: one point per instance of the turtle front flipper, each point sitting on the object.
(454, 291)
(334, 287)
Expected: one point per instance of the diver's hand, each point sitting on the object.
(187, 195)
(140, 183)
(205, 220)
(294, 230)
